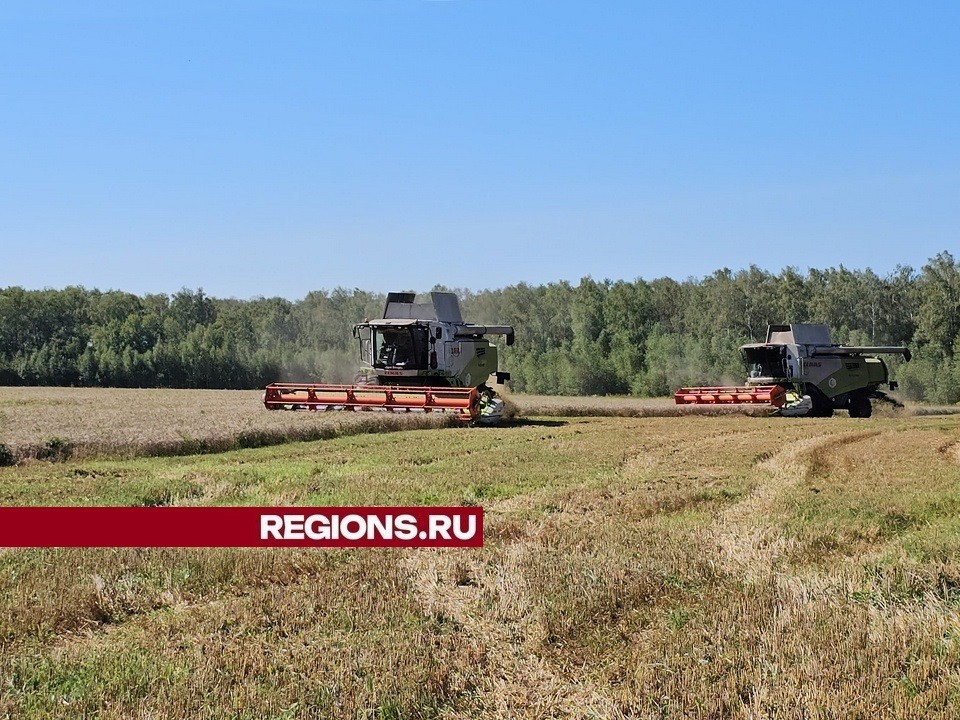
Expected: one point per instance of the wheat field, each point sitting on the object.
(61, 423)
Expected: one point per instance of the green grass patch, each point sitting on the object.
(419, 467)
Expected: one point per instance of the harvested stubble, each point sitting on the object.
(63, 423)
(689, 567)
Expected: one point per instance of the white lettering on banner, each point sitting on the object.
(353, 527)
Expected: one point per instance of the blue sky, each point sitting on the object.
(277, 148)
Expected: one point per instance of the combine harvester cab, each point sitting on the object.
(798, 371)
(419, 357)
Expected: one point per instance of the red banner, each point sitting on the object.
(241, 527)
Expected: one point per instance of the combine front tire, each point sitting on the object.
(822, 407)
(491, 407)
(859, 405)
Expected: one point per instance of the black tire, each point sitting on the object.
(822, 407)
(859, 405)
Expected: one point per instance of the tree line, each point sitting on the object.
(644, 337)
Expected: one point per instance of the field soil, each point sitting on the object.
(652, 567)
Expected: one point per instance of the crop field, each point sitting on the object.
(643, 566)
(82, 423)
(61, 423)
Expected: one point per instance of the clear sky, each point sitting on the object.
(275, 148)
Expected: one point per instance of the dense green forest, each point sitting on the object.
(596, 337)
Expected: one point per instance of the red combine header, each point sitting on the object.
(737, 395)
(463, 402)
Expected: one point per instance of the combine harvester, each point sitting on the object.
(420, 357)
(798, 371)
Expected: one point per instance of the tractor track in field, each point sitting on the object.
(510, 678)
(751, 546)
(748, 543)
(488, 600)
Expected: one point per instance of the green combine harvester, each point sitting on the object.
(799, 372)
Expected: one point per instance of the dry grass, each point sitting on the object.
(691, 567)
(62, 423)
(78, 423)
(614, 406)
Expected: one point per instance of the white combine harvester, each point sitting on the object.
(419, 357)
(800, 372)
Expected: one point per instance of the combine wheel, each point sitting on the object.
(491, 407)
(822, 407)
(859, 405)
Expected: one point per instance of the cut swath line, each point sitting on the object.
(748, 542)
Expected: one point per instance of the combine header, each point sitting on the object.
(798, 371)
(742, 394)
(464, 402)
(420, 357)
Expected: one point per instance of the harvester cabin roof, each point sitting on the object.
(799, 334)
(443, 307)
